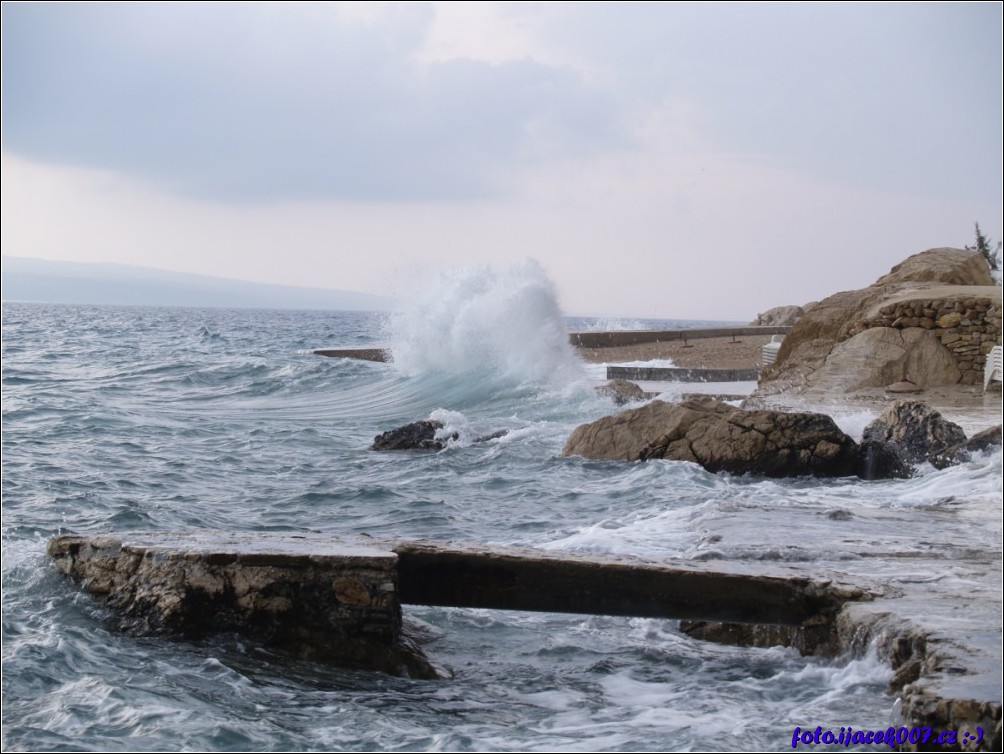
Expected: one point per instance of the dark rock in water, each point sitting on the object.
(878, 460)
(491, 436)
(917, 433)
(621, 391)
(721, 437)
(988, 439)
(420, 435)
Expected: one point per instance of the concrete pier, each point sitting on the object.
(339, 600)
(333, 600)
(614, 338)
(674, 374)
(592, 339)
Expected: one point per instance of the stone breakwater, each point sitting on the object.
(339, 603)
(340, 600)
(968, 326)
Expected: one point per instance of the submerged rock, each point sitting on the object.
(918, 433)
(721, 437)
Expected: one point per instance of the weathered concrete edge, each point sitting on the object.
(921, 662)
(511, 578)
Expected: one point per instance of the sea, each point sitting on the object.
(121, 419)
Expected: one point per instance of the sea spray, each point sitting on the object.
(491, 328)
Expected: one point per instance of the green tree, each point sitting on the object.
(983, 247)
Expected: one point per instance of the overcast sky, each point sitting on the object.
(658, 160)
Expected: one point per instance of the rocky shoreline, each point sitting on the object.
(946, 676)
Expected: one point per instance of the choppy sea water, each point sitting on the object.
(119, 419)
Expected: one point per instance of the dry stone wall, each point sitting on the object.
(967, 326)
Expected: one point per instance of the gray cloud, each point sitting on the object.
(255, 103)
(902, 96)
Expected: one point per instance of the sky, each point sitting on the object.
(674, 160)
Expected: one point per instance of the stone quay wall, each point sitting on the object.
(967, 326)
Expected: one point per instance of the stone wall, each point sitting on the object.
(967, 326)
(337, 603)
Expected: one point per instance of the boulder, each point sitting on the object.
(917, 433)
(880, 356)
(420, 435)
(988, 439)
(942, 266)
(779, 316)
(721, 437)
(878, 460)
(621, 391)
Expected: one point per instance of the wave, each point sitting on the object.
(481, 330)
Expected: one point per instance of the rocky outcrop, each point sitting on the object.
(948, 293)
(721, 437)
(779, 316)
(941, 266)
(882, 355)
(916, 432)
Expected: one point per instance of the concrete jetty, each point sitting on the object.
(338, 599)
(615, 338)
(592, 339)
(675, 374)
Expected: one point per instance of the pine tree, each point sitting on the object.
(983, 247)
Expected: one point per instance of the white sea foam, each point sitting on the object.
(496, 326)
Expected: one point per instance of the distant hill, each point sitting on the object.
(45, 281)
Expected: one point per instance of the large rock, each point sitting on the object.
(721, 437)
(806, 348)
(779, 316)
(916, 432)
(943, 266)
(981, 442)
(882, 355)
